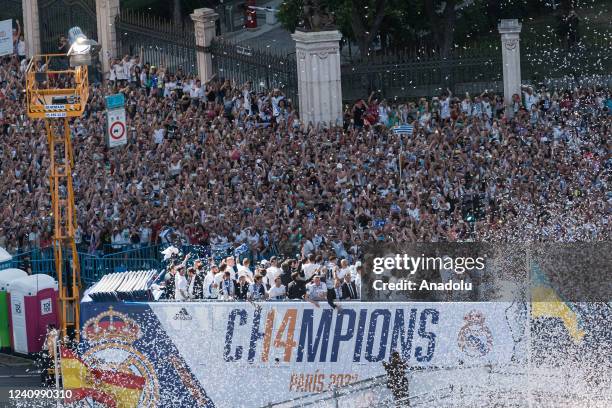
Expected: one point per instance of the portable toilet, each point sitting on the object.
(33, 301)
(6, 276)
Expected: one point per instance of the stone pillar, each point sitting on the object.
(318, 69)
(106, 12)
(511, 57)
(204, 20)
(31, 27)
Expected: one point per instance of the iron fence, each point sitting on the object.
(162, 43)
(423, 77)
(57, 16)
(159, 41)
(265, 69)
(92, 266)
(407, 74)
(125, 258)
(419, 72)
(413, 74)
(550, 59)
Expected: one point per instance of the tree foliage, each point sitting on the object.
(290, 14)
(430, 24)
(165, 8)
(433, 25)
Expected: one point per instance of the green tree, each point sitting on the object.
(178, 9)
(429, 23)
(290, 14)
(442, 16)
(358, 20)
(366, 20)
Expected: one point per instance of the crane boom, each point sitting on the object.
(56, 96)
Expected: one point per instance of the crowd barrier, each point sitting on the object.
(95, 265)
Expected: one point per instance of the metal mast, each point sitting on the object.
(56, 95)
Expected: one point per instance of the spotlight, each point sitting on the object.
(82, 49)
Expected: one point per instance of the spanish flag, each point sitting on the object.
(110, 388)
(546, 302)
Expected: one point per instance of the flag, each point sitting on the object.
(110, 388)
(379, 223)
(240, 250)
(169, 252)
(403, 129)
(547, 303)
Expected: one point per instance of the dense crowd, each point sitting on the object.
(313, 278)
(219, 163)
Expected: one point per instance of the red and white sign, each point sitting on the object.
(117, 135)
(117, 130)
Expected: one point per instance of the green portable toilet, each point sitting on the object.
(6, 276)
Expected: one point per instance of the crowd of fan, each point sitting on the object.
(217, 162)
(313, 278)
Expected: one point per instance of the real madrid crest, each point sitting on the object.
(475, 338)
(111, 336)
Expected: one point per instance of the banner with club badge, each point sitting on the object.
(183, 351)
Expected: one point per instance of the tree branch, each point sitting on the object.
(363, 34)
(356, 22)
(380, 15)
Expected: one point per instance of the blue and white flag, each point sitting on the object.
(379, 223)
(242, 249)
(404, 129)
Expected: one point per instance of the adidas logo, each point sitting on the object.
(183, 314)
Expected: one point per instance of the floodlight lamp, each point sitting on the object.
(82, 49)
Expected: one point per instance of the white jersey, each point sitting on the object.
(277, 293)
(275, 105)
(309, 270)
(530, 100)
(247, 100)
(120, 71)
(244, 271)
(210, 279)
(113, 71)
(466, 107)
(343, 271)
(445, 108)
(181, 287)
(271, 273)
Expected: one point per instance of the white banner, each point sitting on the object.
(6, 37)
(116, 127)
(288, 349)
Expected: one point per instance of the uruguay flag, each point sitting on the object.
(404, 129)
